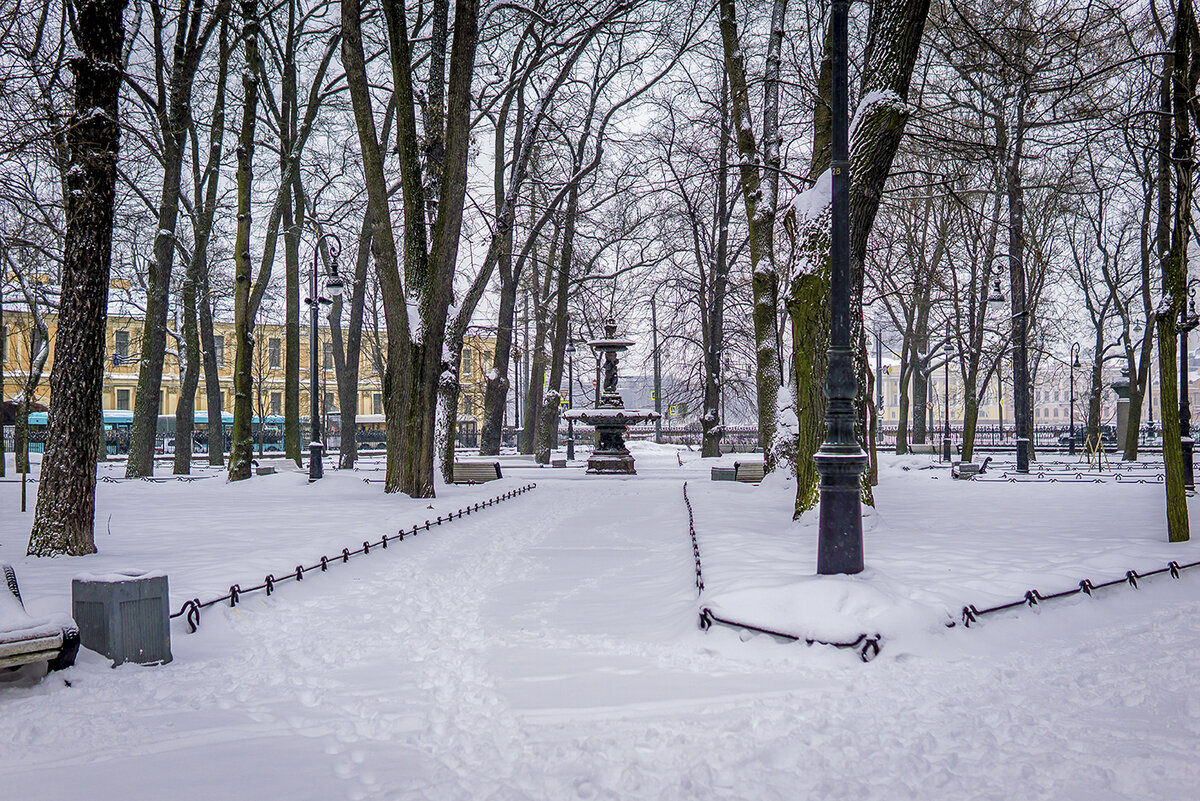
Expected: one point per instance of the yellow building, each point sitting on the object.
(122, 354)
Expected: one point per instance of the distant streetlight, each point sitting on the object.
(333, 285)
(657, 373)
(570, 397)
(1187, 321)
(1074, 364)
(948, 350)
(516, 354)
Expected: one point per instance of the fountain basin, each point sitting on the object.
(610, 456)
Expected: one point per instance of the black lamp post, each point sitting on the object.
(657, 373)
(516, 352)
(840, 461)
(948, 351)
(570, 398)
(1074, 364)
(1187, 321)
(333, 285)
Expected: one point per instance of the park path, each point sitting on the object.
(547, 649)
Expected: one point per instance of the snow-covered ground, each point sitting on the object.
(548, 648)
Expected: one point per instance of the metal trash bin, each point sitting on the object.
(126, 616)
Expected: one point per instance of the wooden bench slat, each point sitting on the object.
(749, 472)
(476, 472)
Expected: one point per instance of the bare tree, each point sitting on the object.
(760, 198)
(65, 512)
(170, 103)
(893, 37)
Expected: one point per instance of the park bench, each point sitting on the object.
(749, 472)
(968, 470)
(476, 472)
(926, 448)
(964, 470)
(26, 640)
(724, 474)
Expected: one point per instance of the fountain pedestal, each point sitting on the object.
(610, 456)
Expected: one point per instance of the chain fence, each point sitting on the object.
(1065, 477)
(695, 544)
(190, 610)
(1032, 598)
(866, 645)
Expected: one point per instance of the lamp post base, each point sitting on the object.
(840, 548)
(1189, 474)
(946, 449)
(316, 469)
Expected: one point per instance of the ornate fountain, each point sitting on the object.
(610, 455)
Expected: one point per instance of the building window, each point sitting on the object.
(377, 403)
(120, 347)
(219, 352)
(327, 354)
(220, 401)
(273, 353)
(466, 366)
(123, 400)
(329, 402)
(276, 401)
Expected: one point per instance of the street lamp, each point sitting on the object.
(517, 424)
(840, 461)
(333, 285)
(948, 350)
(570, 397)
(657, 373)
(1187, 321)
(1074, 364)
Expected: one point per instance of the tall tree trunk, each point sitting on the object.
(293, 224)
(185, 408)
(66, 504)
(495, 395)
(347, 356)
(902, 417)
(893, 41)
(759, 198)
(212, 374)
(970, 422)
(539, 360)
(547, 432)
(242, 443)
(1022, 406)
(196, 292)
(293, 213)
(1174, 229)
(713, 300)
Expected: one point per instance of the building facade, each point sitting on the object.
(123, 354)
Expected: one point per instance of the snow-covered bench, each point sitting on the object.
(25, 640)
(923, 448)
(476, 472)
